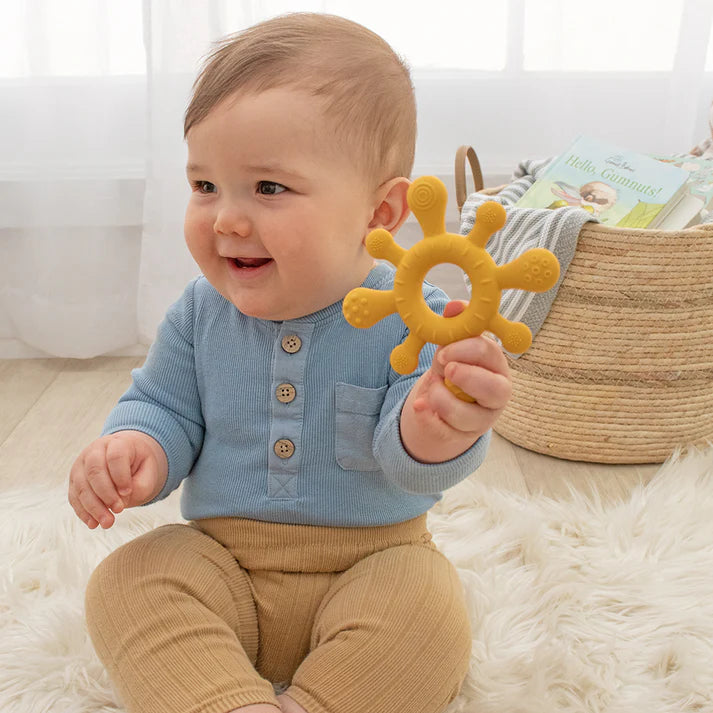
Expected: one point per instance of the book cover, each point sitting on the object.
(697, 199)
(620, 187)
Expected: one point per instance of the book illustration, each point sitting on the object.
(594, 196)
(641, 215)
(619, 187)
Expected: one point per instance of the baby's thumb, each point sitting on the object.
(144, 483)
(454, 308)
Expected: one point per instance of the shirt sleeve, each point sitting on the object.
(163, 400)
(398, 466)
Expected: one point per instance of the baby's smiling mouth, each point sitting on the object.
(246, 262)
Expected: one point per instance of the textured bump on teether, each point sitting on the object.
(536, 270)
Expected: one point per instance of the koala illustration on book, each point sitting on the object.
(595, 196)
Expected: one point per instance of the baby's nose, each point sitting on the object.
(231, 220)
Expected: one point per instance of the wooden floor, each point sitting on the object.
(51, 408)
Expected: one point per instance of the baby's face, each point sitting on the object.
(277, 215)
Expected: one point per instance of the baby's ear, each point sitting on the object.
(391, 208)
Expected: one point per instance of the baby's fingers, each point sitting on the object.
(459, 415)
(75, 488)
(490, 389)
(481, 351)
(101, 496)
(93, 507)
(84, 514)
(118, 461)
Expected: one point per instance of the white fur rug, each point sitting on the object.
(576, 606)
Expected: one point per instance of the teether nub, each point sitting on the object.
(536, 270)
(380, 244)
(428, 200)
(363, 307)
(489, 218)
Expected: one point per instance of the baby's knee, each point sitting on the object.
(411, 592)
(119, 578)
(429, 610)
(442, 633)
(398, 615)
(444, 622)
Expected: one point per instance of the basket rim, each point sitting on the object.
(704, 229)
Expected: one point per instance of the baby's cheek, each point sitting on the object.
(198, 233)
(193, 242)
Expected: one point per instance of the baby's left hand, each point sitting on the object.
(478, 366)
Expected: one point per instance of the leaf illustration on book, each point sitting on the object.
(640, 215)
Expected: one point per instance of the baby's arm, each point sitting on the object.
(153, 435)
(427, 440)
(435, 425)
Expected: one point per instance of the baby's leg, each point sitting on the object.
(172, 617)
(392, 635)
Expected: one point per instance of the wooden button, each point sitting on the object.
(291, 344)
(285, 393)
(284, 448)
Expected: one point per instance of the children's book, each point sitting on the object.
(620, 187)
(697, 201)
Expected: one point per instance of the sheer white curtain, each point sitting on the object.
(92, 94)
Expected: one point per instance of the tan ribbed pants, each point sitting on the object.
(205, 617)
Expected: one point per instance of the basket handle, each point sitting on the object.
(461, 191)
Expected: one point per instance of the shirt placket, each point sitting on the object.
(287, 410)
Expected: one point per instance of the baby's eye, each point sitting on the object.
(203, 186)
(270, 188)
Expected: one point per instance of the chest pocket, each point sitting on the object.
(358, 411)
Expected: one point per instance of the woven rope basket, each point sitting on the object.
(621, 371)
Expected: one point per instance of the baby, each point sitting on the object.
(305, 578)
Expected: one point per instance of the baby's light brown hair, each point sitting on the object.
(366, 86)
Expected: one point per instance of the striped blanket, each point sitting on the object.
(556, 230)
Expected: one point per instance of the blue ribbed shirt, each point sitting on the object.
(208, 394)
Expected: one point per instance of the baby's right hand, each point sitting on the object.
(121, 470)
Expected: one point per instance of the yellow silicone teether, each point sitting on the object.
(536, 270)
